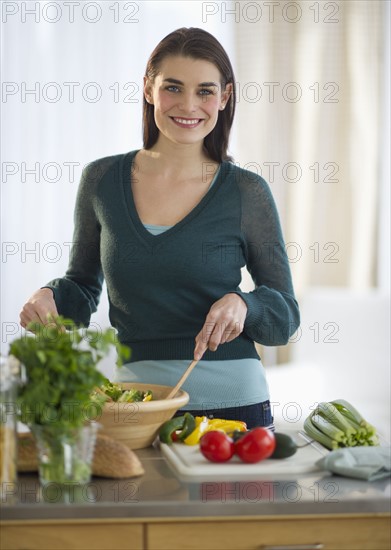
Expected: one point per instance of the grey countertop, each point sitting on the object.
(161, 493)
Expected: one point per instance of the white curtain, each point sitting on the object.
(313, 118)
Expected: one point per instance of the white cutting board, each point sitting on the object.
(189, 463)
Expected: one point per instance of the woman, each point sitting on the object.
(169, 228)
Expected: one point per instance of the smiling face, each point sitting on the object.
(187, 95)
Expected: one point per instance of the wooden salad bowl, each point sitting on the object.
(137, 424)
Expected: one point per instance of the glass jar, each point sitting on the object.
(9, 376)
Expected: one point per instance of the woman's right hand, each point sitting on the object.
(39, 308)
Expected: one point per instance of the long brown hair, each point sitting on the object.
(197, 44)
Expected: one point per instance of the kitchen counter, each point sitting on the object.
(160, 499)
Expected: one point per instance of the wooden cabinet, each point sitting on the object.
(293, 533)
(331, 532)
(71, 535)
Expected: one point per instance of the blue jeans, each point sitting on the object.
(254, 416)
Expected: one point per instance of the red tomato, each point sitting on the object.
(255, 445)
(174, 436)
(217, 446)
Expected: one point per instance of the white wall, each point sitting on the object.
(342, 351)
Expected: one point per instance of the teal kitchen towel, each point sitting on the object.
(369, 463)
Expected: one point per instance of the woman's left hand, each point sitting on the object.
(224, 323)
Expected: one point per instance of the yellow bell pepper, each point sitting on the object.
(204, 424)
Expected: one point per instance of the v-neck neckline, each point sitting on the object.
(132, 210)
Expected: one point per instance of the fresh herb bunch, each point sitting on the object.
(60, 372)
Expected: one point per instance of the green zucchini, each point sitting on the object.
(285, 446)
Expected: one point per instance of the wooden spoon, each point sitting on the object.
(181, 380)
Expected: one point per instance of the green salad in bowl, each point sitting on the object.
(110, 391)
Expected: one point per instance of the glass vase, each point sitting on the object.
(65, 455)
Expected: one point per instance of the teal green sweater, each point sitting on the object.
(161, 287)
